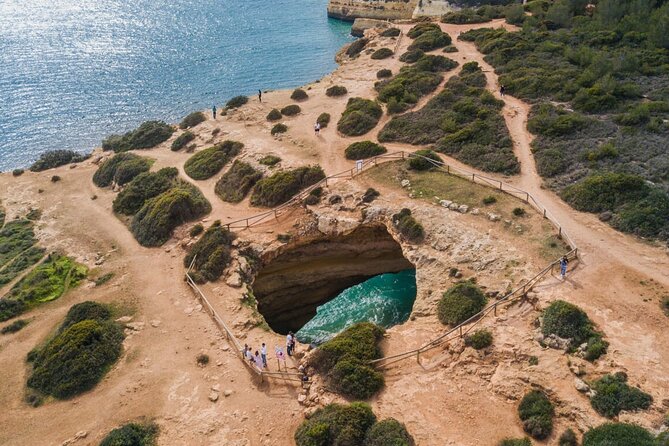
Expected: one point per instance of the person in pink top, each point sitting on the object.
(280, 357)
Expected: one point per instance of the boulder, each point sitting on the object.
(463, 208)
(360, 25)
(445, 203)
(234, 280)
(581, 386)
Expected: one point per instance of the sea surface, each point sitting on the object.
(74, 71)
(386, 300)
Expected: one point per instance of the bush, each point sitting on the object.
(408, 226)
(490, 199)
(211, 252)
(132, 434)
(153, 224)
(384, 73)
(283, 185)
(462, 301)
(56, 158)
(279, 128)
(568, 438)
(208, 162)
(536, 412)
(236, 102)
(390, 32)
(519, 212)
(101, 280)
(612, 395)
(388, 432)
(269, 160)
(120, 169)
(299, 95)
(515, 442)
(431, 40)
(618, 434)
(422, 28)
(237, 182)
(356, 47)
(336, 424)
(274, 115)
(418, 161)
(336, 90)
(353, 378)
(55, 179)
(143, 187)
(182, 140)
(291, 110)
(192, 120)
(17, 172)
(14, 326)
(87, 310)
(412, 56)
(479, 340)
(382, 53)
(148, 134)
(363, 149)
(370, 195)
(361, 116)
(323, 119)
(202, 359)
(567, 321)
(196, 230)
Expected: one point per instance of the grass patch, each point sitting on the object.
(237, 182)
(462, 301)
(211, 253)
(283, 185)
(143, 187)
(536, 412)
(196, 230)
(149, 134)
(291, 110)
(361, 116)
(208, 162)
(479, 340)
(382, 53)
(270, 160)
(192, 120)
(299, 95)
(618, 434)
(15, 326)
(363, 149)
(236, 102)
(335, 91)
(182, 140)
(132, 434)
(408, 226)
(120, 169)
(613, 395)
(279, 128)
(56, 158)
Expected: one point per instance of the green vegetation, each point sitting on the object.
(202, 359)
(336, 424)
(270, 160)
(428, 37)
(17, 172)
(236, 102)
(279, 128)
(343, 361)
(291, 110)
(462, 301)
(103, 279)
(356, 47)
(299, 95)
(55, 178)
(568, 438)
(281, 186)
(412, 56)
(490, 199)
(479, 340)
(211, 253)
(182, 140)
(120, 169)
(390, 32)
(418, 161)
(78, 356)
(383, 73)
(567, 321)
(388, 432)
(382, 53)
(274, 115)
(148, 134)
(536, 412)
(153, 224)
(323, 119)
(57, 158)
(618, 434)
(237, 182)
(24, 260)
(370, 195)
(314, 197)
(143, 187)
(208, 162)
(196, 230)
(363, 149)
(408, 226)
(336, 90)
(515, 442)
(14, 326)
(132, 434)
(192, 120)
(361, 116)
(15, 237)
(483, 14)
(612, 395)
(519, 212)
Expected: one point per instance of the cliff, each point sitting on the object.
(371, 9)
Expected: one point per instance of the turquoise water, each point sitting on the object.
(73, 71)
(386, 300)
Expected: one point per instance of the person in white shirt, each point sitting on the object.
(263, 354)
(290, 343)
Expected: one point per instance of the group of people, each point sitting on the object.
(259, 358)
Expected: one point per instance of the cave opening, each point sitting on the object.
(362, 275)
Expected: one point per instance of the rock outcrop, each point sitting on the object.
(371, 9)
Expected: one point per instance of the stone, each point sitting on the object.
(244, 266)
(494, 217)
(445, 203)
(463, 208)
(227, 392)
(581, 386)
(405, 183)
(476, 211)
(135, 326)
(605, 216)
(216, 387)
(213, 397)
(361, 24)
(334, 199)
(301, 398)
(155, 323)
(453, 206)
(124, 319)
(234, 280)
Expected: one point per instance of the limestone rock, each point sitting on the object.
(227, 392)
(581, 386)
(494, 217)
(405, 183)
(234, 280)
(445, 203)
(463, 208)
(453, 206)
(213, 396)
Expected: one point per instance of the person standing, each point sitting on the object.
(317, 128)
(213, 111)
(502, 90)
(259, 96)
(263, 354)
(563, 266)
(258, 360)
(290, 342)
(280, 357)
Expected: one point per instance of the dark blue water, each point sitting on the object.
(385, 300)
(73, 71)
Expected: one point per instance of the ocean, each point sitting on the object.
(74, 71)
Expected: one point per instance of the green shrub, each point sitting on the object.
(419, 160)
(101, 280)
(336, 424)
(132, 434)
(356, 47)
(384, 73)
(236, 102)
(237, 182)
(274, 115)
(55, 178)
(462, 301)
(291, 110)
(431, 40)
(515, 442)
(148, 134)
(390, 32)
(196, 230)
(421, 28)
(87, 310)
(479, 340)
(353, 378)
(519, 212)
(279, 128)
(370, 195)
(16, 237)
(363, 149)
(382, 53)
(470, 16)
(323, 119)
(299, 95)
(182, 140)
(144, 186)
(568, 438)
(120, 169)
(570, 322)
(388, 432)
(281, 186)
(153, 224)
(56, 158)
(269, 160)
(612, 395)
(211, 252)
(14, 326)
(11, 308)
(488, 200)
(408, 226)
(192, 120)
(551, 121)
(208, 162)
(336, 90)
(664, 304)
(536, 412)
(23, 260)
(17, 172)
(412, 56)
(618, 434)
(361, 116)
(202, 359)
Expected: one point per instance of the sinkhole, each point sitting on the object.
(316, 287)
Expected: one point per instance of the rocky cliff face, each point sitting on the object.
(371, 9)
(302, 275)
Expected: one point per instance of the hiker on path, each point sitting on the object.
(259, 96)
(290, 343)
(213, 111)
(502, 90)
(280, 357)
(317, 128)
(563, 266)
(258, 360)
(249, 354)
(263, 354)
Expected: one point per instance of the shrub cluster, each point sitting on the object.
(274, 115)
(408, 226)
(291, 110)
(568, 438)
(612, 395)
(460, 302)
(192, 120)
(143, 187)
(148, 134)
(57, 158)
(120, 169)
(390, 32)
(361, 116)
(384, 73)
(363, 149)
(412, 56)
(336, 90)
(14, 326)
(570, 322)
(281, 186)
(132, 434)
(211, 253)
(536, 412)
(479, 340)
(279, 128)
(269, 160)
(182, 140)
(483, 14)
(17, 249)
(428, 37)
(618, 434)
(299, 95)
(323, 119)
(418, 161)
(236, 102)
(208, 162)
(237, 182)
(356, 47)
(382, 53)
